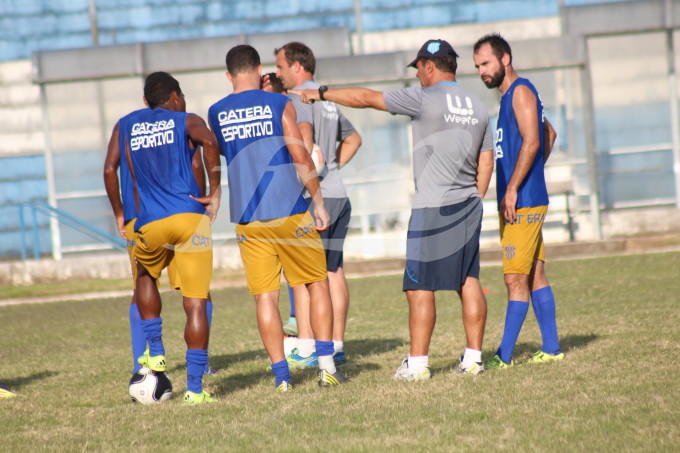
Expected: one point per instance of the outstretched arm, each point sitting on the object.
(524, 106)
(200, 134)
(111, 182)
(349, 97)
(304, 166)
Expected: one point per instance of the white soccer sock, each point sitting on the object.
(337, 346)
(305, 346)
(327, 363)
(289, 343)
(472, 356)
(418, 363)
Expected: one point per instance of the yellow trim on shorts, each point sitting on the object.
(291, 244)
(522, 241)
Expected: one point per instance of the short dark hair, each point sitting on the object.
(157, 88)
(298, 52)
(277, 84)
(498, 44)
(443, 64)
(242, 58)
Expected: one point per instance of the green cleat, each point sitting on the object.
(495, 362)
(284, 387)
(193, 399)
(290, 327)
(295, 360)
(5, 393)
(544, 357)
(155, 363)
(327, 379)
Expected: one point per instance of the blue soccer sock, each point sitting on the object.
(543, 302)
(209, 311)
(137, 336)
(153, 331)
(292, 301)
(197, 360)
(281, 372)
(514, 318)
(324, 353)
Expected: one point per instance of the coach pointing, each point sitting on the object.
(452, 166)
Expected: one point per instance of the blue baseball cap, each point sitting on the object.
(434, 48)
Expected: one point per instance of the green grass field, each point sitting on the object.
(617, 390)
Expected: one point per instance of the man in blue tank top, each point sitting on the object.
(258, 135)
(126, 228)
(452, 166)
(524, 139)
(158, 144)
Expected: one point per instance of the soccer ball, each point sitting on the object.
(148, 387)
(317, 158)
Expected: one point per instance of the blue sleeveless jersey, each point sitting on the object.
(263, 183)
(532, 192)
(161, 160)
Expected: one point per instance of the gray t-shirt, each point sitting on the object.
(330, 127)
(450, 129)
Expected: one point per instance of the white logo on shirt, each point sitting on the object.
(150, 135)
(330, 111)
(246, 123)
(460, 114)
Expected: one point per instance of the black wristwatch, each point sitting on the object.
(322, 90)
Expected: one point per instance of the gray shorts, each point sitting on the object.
(442, 249)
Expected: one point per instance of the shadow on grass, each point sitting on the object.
(17, 383)
(567, 343)
(355, 350)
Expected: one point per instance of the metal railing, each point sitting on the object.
(40, 207)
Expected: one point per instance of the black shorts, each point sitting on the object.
(442, 249)
(339, 210)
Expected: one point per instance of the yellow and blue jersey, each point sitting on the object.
(161, 160)
(263, 183)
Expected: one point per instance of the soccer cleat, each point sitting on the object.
(327, 379)
(284, 387)
(544, 357)
(340, 358)
(474, 369)
(155, 363)
(295, 360)
(290, 327)
(192, 398)
(209, 371)
(495, 362)
(405, 374)
(5, 393)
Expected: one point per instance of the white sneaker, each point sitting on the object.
(405, 374)
(473, 368)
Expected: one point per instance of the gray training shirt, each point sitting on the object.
(450, 129)
(330, 127)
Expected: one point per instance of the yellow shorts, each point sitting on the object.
(173, 275)
(522, 241)
(291, 243)
(186, 237)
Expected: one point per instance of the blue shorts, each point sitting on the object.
(340, 211)
(442, 249)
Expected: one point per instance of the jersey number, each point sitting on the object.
(499, 140)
